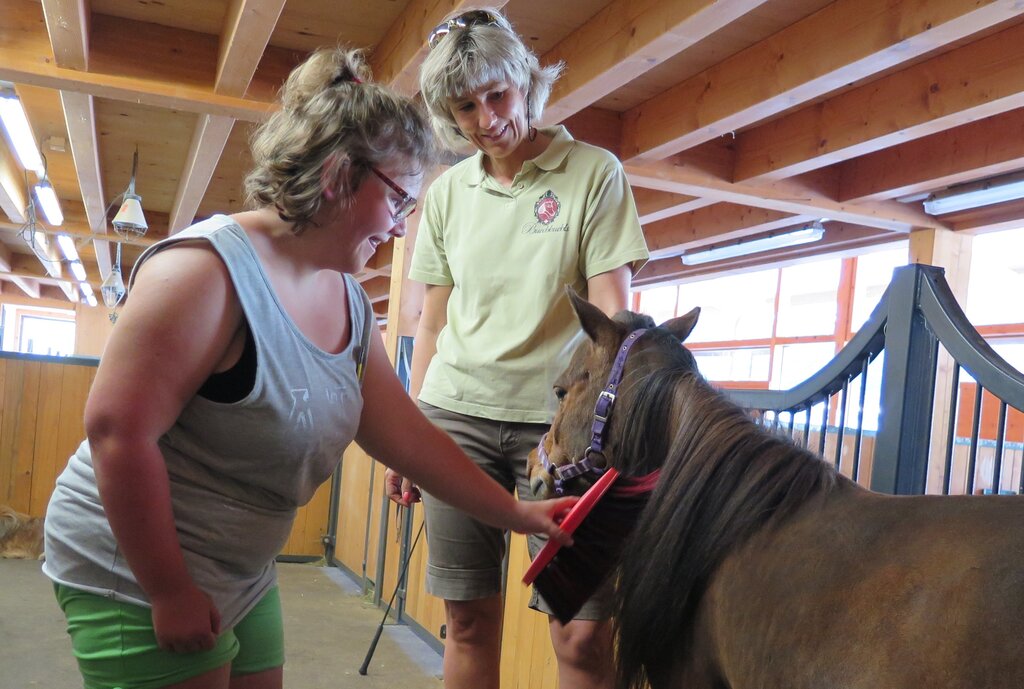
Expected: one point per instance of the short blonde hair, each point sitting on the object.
(468, 59)
(331, 119)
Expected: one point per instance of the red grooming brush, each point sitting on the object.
(566, 577)
(569, 525)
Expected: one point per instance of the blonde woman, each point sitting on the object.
(229, 389)
(502, 233)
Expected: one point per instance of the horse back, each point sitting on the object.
(860, 590)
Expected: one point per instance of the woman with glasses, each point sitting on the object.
(246, 359)
(502, 233)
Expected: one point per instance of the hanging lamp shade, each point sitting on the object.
(112, 289)
(129, 218)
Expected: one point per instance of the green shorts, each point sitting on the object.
(464, 556)
(116, 648)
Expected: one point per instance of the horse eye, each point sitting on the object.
(559, 393)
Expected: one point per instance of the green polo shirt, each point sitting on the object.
(508, 254)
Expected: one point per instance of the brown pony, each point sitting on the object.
(754, 564)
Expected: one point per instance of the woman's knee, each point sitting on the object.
(583, 643)
(474, 622)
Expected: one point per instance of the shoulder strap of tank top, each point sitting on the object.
(369, 323)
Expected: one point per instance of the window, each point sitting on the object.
(997, 271)
(737, 307)
(807, 298)
(874, 273)
(34, 330)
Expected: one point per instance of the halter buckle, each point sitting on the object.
(606, 400)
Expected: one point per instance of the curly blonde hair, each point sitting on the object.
(333, 125)
(468, 59)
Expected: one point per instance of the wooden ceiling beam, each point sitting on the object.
(67, 23)
(978, 80)
(721, 222)
(247, 30)
(839, 238)
(26, 285)
(626, 39)
(981, 149)
(653, 205)
(397, 57)
(797, 197)
(845, 42)
(19, 68)
(13, 200)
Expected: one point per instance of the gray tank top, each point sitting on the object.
(238, 471)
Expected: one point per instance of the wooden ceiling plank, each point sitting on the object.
(787, 196)
(397, 57)
(976, 81)
(981, 149)
(67, 22)
(721, 222)
(845, 42)
(626, 39)
(247, 30)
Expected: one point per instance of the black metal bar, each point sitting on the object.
(908, 389)
(824, 426)
(975, 429)
(860, 418)
(792, 419)
(842, 423)
(997, 470)
(330, 539)
(954, 407)
(775, 421)
(807, 425)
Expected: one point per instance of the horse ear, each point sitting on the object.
(682, 327)
(592, 319)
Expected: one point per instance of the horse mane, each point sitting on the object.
(723, 478)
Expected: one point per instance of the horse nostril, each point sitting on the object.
(539, 488)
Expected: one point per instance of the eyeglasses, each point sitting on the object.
(406, 206)
(463, 21)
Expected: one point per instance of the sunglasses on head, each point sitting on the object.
(463, 21)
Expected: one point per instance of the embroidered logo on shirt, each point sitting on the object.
(547, 207)
(301, 414)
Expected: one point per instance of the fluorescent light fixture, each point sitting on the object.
(48, 202)
(67, 247)
(90, 296)
(975, 194)
(804, 235)
(19, 132)
(78, 270)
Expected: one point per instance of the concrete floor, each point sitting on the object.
(328, 629)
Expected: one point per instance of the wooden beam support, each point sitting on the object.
(13, 200)
(155, 92)
(397, 57)
(845, 42)
(28, 286)
(978, 80)
(796, 197)
(981, 149)
(653, 205)
(247, 30)
(719, 223)
(628, 38)
(67, 22)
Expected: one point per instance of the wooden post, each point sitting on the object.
(952, 252)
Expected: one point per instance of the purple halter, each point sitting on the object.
(602, 413)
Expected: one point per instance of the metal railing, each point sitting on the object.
(913, 450)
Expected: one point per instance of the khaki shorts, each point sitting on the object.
(465, 556)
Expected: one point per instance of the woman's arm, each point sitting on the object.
(393, 430)
(610, 291)
(433, 318)
(174, 330)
